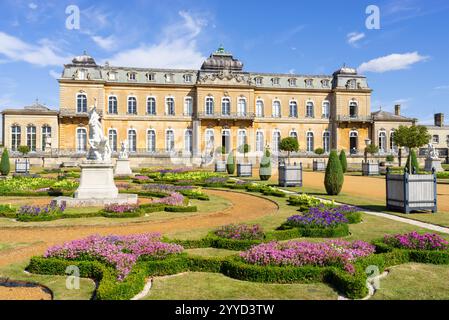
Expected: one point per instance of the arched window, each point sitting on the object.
(209, 140)
(294, 134)
(151, 106)
(309, 110)
(353, 112)
(241, 107)
(112, 105)
(353, 142)
(242, 139)
(293, 109)
(276, 109)
(16, 135)
(326, 141)
(81, 140)
(132, 105)
(188, 106)
(151, 140)
(188, 140)
(31, 137)
(259, 108)
(276, 141)
(112, 135)
(393, 146)
(169, 140)
(226, 106)
(170, 106)
(326, 109)
(259, 141)
(209, 107)
(46, 136)
(81, 103)
(132, 140)
(310, 141)
(382, 141)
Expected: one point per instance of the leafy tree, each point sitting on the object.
(411, 137)
(4, 163)
(334, 177)
(372, 149)
(389, 158)
(319, 151)
(230, 163)
(413, 160)
(289, 144)
(23, 149)
(343, 161)
(244, 148)
(265, 166)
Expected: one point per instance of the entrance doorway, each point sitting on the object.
(353, 142)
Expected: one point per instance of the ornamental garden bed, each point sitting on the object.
(27, 186)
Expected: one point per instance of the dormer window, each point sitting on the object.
(258, 81)
(82, 74)
(112, 76)
(309, 83)
(132, 76)
(151, 77)
(292, 82)
(325, 83)
(188, 78)
(275, 81)
(169, 77)
(351, 84)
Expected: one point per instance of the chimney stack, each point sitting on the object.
(397, 109)
(439, 119)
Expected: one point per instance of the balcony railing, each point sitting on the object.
(232, 115)
(355, 118)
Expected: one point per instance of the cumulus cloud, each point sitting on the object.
(353, 37)
(106, 43)
(44, 53)
(178, 49)
(392, 62)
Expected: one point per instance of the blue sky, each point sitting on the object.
(406, 60)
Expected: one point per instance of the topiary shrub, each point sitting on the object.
(24, 150)
(265, 166)
(4, 163)
(230, 163)
(319, 151)
(343, 161)
(413, 161)
(289, 144)
(334, 177)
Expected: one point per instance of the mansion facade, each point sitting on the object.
(166, 111)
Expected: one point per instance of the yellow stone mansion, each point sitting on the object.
(165, 111)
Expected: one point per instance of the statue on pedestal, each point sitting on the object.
(432, 153)
(123, 150)
(99, 144)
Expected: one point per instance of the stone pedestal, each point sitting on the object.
(122, 168)
(433, 163)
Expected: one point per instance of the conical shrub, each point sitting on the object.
(265, 166)
(334, 177)
(230, 163)
(415, 163)
(4, 163)
(343, 161)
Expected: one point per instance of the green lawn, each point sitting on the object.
(203, 286)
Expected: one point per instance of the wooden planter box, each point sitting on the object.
(220, 166)
(411, 192)
(319, 165)
(22, 166)
(290, 175)
(370, 168)
(244, 169)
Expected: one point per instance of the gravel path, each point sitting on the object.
(23, 293)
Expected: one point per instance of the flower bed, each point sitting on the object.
(317, 218)
(165, 189)
(174, 199)
(416, 241)
(121, 210)
(240, 232)
(175, 176)
(41, 213)
(120, 252)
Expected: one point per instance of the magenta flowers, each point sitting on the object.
(121, 208)
(174, 199)
(121, 252)
(295, 253)
(414, 240)
(240, 232)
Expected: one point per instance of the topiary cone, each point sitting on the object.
(343, 161)
(334, 177)
(4, 163)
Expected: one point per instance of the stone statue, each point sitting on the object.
(124, 150)
(432, 153)
(99, 144)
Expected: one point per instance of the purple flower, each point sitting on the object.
(317, 217)
(174, 199)
(240, 232)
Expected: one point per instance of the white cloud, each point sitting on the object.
(106, 43)
(353, 37)
(54, 74)
(178, 49)
(32, 6)
(45, 53)
(446, 87)
(392, 62)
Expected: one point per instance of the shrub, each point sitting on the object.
(334, 178)
(414, 240)
(372, 149)
(240, 232)
(289, 144)
(265, 166)
(389, 158)
(319, 151)
(230, 163)
(413, 161)
(38, 213)
(24, 149)
(181, 208)
(303, 201)
(443, 175)
(343, 161)
(121, 208)
(271, 191)
(4, 163)
(316, 217)
(174, 199)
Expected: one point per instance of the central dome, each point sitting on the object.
(84, 60)
(221, 60)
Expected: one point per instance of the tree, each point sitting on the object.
(4, 163)
(23, 149)
(343, 161)
(289, 144)
(372, 149)
(319, 151)
(244, 148)
(411, 137)
(265, 166)
(334, 177)
(413, 161)
(230, 163)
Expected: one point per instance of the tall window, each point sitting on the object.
(276, 109)
(188, 106)
(188, 141)
(151, 106)
(353, 142)
(310, 141)
(294, 134)
(326, 141)
(15, 137)
(151, 140)
(276, 141)
(309, 109)
(170, 106)
(209, 140)
(132, 105)
(81, 140)
(112, 134)
(259, 141)
(46, 135)
(81, 103)
(259, 108)
(31, 137)
(382, 141)
(241, 107)
(169, 140)
(393, 146)
(241, 139)
(326, 109)
(112, 105)
(293, 109)
(132, 140)
(353, 109)
(226, 106)
(209, 105)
